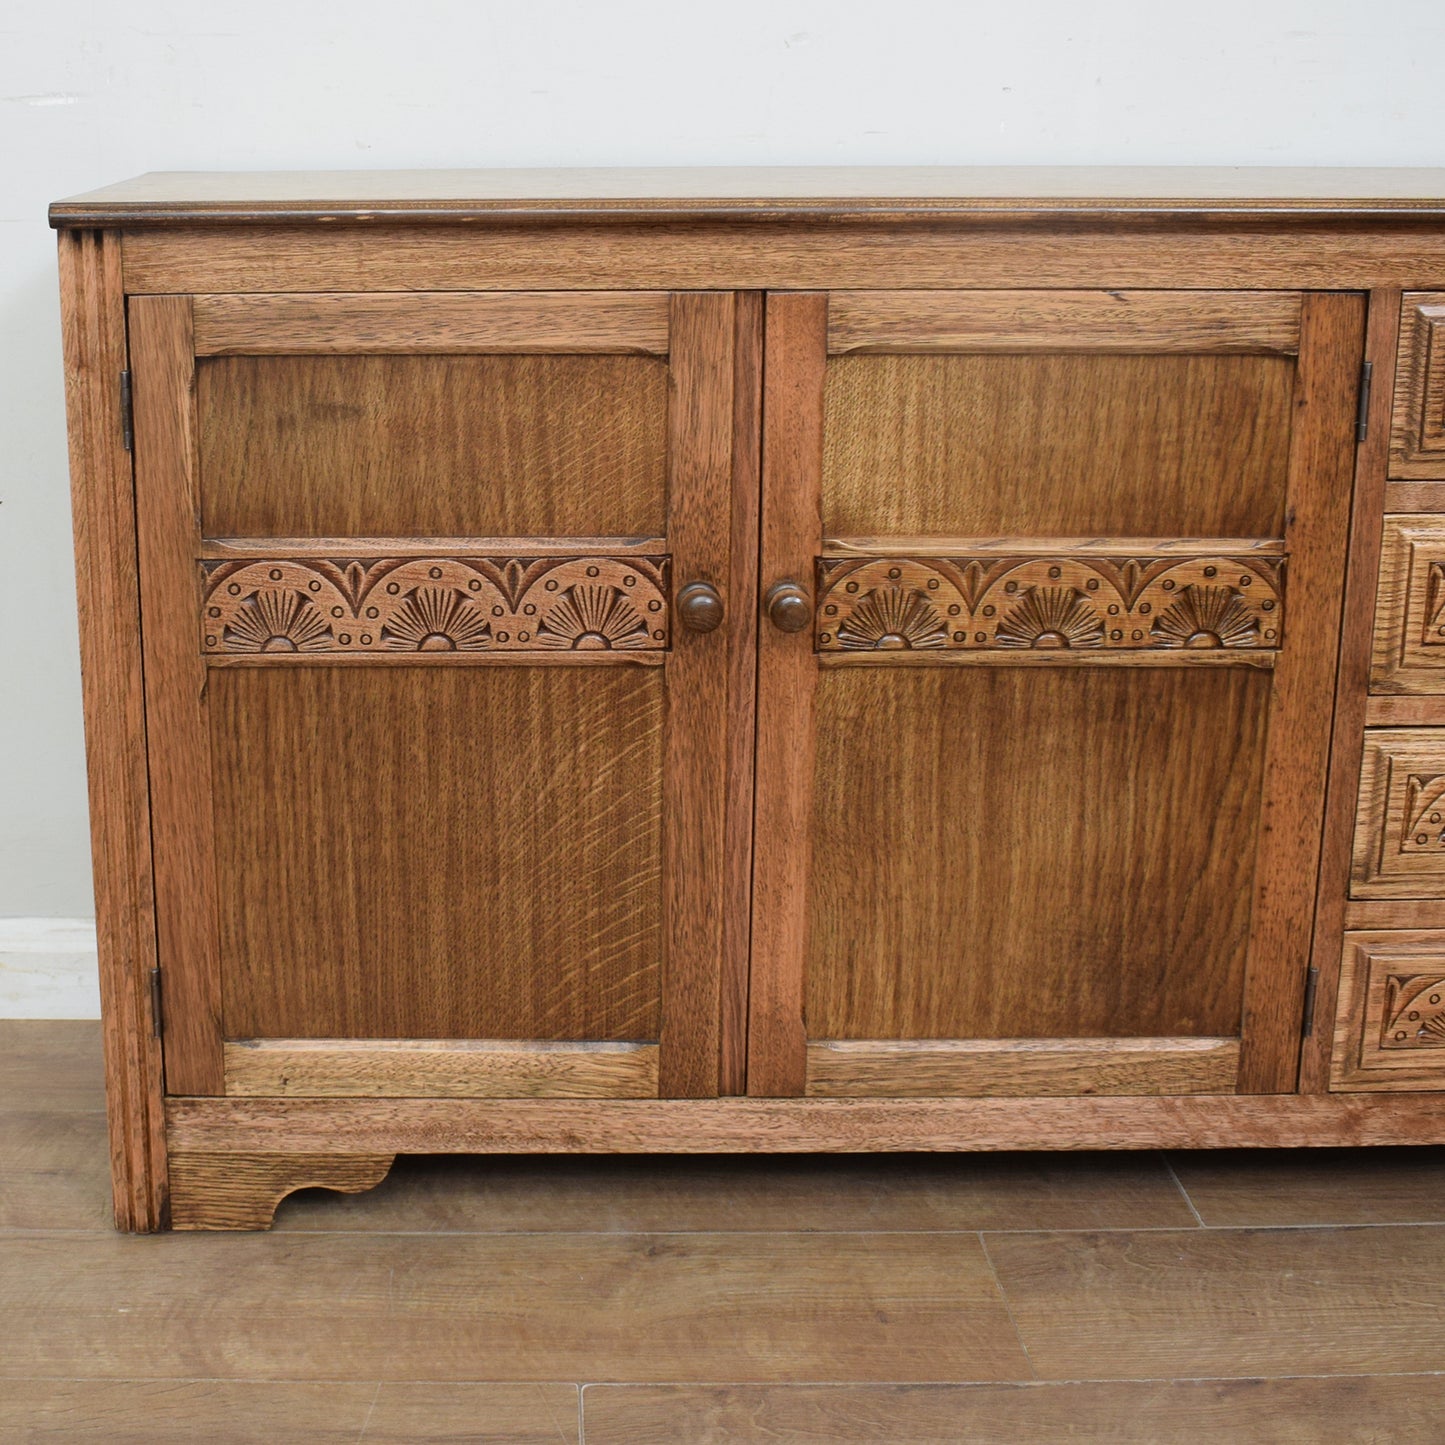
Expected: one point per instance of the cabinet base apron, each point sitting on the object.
(233, 1160)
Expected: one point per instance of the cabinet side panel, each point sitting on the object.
(93, 317)
(1347, 741)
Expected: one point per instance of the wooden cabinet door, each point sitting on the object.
(1040, 774)
(445, 755)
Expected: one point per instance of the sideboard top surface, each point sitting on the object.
(756, 193)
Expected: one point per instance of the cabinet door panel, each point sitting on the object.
(442, 786)
(1040, 787)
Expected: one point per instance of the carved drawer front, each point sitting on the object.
(1417, 440)
(1390, 1033)
(1409, 650)
(1400, 825)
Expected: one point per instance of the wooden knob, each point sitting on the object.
(788, 607)
(700, 607)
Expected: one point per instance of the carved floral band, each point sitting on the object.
(435, 605)
(994, 603)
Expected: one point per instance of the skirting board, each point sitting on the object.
(48, 969)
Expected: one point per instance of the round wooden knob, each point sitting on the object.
(700, 607)
(788, 607)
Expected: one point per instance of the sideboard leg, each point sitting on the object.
(241, 1191)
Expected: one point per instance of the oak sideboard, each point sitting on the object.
(757, 660)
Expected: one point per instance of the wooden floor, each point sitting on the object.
(1281, 1297)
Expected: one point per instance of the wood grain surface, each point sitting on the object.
(1399, 846)
(431, 1068)
(1150, 322)
(92, 310)
(461, 446)
(413, 880)
(914, 1068)
(241, 1191)
(517, 256)
(755, 191)
(1417, 439)
(784, 1125)
(796, 336)
(183, 844)
(1292, 815)
(361, 322)
(1043, 874)
(1409, 642)
(178, 1412)
(1179, 1412)
(1351, 687)
(1220, 1303)
(699, 713)
(413, 1308)
(1056, 445)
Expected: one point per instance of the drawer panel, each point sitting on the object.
(1400, 826)
(1409, 646)
(1390, 1030)
(1417, 435)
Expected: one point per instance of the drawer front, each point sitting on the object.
(1417, 438)
(1409, 646)
(1390, 1032)
(1400, 825)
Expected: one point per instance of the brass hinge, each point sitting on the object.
(156, 1017)
(1312, 979)
(1362, 415)
(127, 417)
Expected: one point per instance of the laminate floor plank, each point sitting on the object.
(51, 1064)
(1314, 1186)
(637, 1308)
(54, 1171)
(180, 1412)
(1209, 1412)
(1212, 1303)
(799, 1193)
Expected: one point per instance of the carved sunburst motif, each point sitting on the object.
(437, 619)
(277, 619)
(893, 618)
(1205, 617)
(591, 617)
(1051, 617)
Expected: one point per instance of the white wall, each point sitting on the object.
(92, 92)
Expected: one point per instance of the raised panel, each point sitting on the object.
(1417, 440)
(1400, 824)
(1409, 647)
(439, 852)
(1032, 853)
(432, 446)
(1050, 445)
(1152, 322)
(1390, 1033)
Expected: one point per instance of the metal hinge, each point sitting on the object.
(1362, 416)
(1312, 979)
(127, 419)
(156, 1017)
